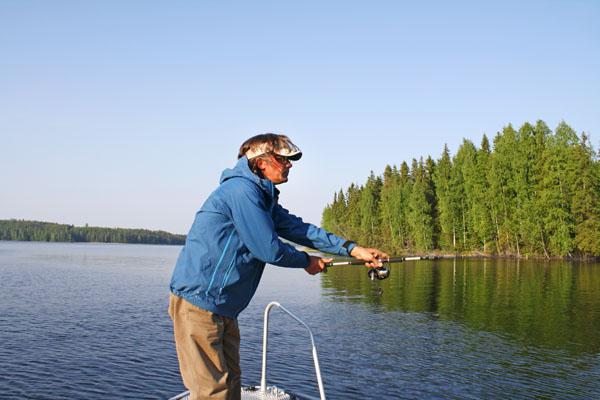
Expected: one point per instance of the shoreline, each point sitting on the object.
(478, 255)
(439, 255)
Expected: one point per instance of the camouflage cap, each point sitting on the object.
(281, 145)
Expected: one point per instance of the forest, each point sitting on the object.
(52, 232)
(531, 192)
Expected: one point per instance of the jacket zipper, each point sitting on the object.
(212, 279)
(227, 273)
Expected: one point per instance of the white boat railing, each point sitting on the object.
(263, 379)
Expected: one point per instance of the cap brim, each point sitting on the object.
(296, 156)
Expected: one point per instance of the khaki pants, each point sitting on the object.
(208, 349)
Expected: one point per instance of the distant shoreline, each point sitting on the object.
(39, 231)
(99, 243)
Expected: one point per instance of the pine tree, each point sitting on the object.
(586, 200)
(430, 168)
(535, 217)
(559, 177)
(390, 210)
(369, 206)
(524, 179)
(480, 206)
(354, 215)
(446, 203)
(502, 190)
(420, 210)
(463, 181)
(406, 183)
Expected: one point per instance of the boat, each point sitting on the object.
(264, 392)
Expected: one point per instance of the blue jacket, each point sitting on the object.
(234, 234)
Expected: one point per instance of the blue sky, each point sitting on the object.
(124, 113)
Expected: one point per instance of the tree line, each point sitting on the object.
(533, 192)
(52, 232)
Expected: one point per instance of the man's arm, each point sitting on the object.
(293, 228)
(256, 230)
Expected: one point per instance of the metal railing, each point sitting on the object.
(263, 379)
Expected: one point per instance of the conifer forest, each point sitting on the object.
(532, 192)
(51, 232)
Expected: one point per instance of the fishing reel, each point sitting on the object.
(378, 273)
(382, 272)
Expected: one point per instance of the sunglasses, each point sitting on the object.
(281, 159)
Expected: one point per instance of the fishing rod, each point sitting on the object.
(380, 272)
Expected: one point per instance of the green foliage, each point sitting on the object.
(446, 202)
(586, 196)
(369, 211)
(534, 193)
(51, 232)
(420, 210)
(390, 209)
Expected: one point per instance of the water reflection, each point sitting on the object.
(549, 304)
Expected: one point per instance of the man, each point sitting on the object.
(234, 234)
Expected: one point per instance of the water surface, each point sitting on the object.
(89, 320)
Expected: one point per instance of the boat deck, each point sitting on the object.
(253, 393)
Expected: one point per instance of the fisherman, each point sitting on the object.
(235, 233)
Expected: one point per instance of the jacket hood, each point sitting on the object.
(241, 170)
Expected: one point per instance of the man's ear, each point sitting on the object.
(261, 164)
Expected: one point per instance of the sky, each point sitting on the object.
(124, 113)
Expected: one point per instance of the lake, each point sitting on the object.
(90, 321)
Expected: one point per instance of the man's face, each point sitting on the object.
(275, 168)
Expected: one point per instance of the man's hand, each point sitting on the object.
(317, 264)
(371, 256)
